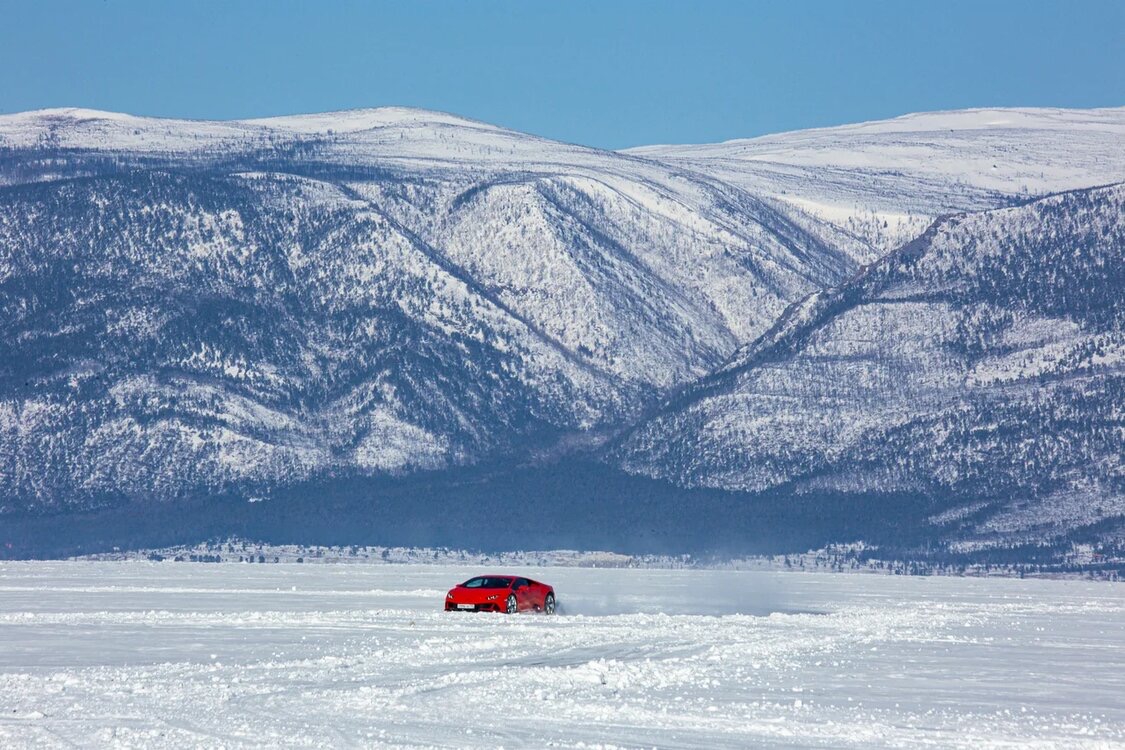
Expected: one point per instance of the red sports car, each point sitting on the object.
(508, 594)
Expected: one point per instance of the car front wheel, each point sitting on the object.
(512, 605)
(549, 604)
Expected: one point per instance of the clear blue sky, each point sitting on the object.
(608, 73)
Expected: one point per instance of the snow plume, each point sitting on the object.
(684, 592)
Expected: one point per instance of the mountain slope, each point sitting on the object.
(886, 180)
(981, 366)
(232, 307)
(268, 309)
(531, 216)
(170, 333)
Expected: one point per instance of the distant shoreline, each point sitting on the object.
(854, 559)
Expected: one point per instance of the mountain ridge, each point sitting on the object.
(975, 326)
(199, 309)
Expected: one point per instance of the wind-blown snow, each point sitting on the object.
(174, 655)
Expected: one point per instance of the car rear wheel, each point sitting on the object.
(549, 604)
(512, 606)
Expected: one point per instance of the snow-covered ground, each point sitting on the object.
(136, 654)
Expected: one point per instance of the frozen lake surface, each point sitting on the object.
(178, 655)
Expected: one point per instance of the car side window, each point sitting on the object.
(522, 582)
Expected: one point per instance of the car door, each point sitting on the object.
(525, 594)
(540, 594)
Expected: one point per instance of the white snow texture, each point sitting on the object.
(174, 655)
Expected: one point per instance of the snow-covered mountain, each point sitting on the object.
(175, 331)
(979, 369)
(549, 228)
(200, 308)
(885, 181)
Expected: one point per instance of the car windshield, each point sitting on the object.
(487, 582)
